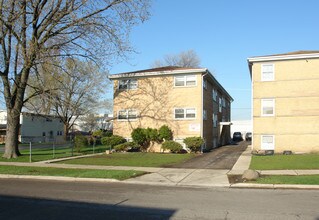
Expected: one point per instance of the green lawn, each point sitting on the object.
(285, 162)
(47, 154)
(133, 159)
(84, 173)
(281, 179)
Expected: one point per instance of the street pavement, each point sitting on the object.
(185, 177)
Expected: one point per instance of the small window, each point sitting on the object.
(267, 72)
(128, 84)
(205, 84)
(215, 120)
(184, 113)
(127, 114)
(188, 80)
(204, 114)
(214, 94)
(267, 142)
(267, 107)
(220, 105)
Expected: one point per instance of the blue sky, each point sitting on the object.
(224, 34)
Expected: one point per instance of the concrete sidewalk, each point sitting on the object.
(178, 176)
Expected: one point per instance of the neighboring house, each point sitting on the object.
(101, 121)
(189, 100)
(285, 95)
(36, 127)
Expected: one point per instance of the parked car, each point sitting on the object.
(248, 136)
(237, 136)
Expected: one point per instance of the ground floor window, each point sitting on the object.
(184, 113)
(127, 114)
(267, 142)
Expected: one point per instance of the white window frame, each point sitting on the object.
(267, 146)
(185, 80)
(263, 104)
(185, 113)
(127, 115)
(128, 83)
(265, 73)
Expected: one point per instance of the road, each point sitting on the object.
(34, 199)
(220, 158)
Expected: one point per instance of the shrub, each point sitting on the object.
(165, 133)
(139, 135)
(152, 134)
(194, 143)
(80, 141)
(128, 146)
(113, 140)
(173, 146)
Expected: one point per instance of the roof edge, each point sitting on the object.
(283, 57)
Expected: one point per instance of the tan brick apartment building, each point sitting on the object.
(189, 100)
(285, 93)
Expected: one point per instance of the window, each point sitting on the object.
(267, 142)
(127, 114)
(220, 105)
(214, 94)
(267, 107)
(267, 72)
(184, 113)
(128, 84)
(189, 80)
(205, 84)
(181, 141)
(204, 114)
(215, 120)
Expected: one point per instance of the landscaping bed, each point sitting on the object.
(66, 172)
(137, 159)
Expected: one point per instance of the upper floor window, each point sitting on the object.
(215, 120)
(128, 84)
(205, 84)
(214, 94)
(267, 72)
(204, 114)
(127, 114)
(185, 113)
(220, 105)
(188, 80)
(267, 107)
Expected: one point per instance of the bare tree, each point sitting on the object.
(187, 58)
(34, 31)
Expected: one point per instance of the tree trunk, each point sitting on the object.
(12, 135)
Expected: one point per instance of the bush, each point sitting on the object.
(152, 134)
(128, 146)
(139, 135)
(80, 141)
(173, 146)
(165, 133)
(102, 133)
(194, 143)
(113, 140)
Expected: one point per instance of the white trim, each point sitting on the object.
(252, 110)
(262, 107)
(184, 119)
(283, 57)
(267, 147)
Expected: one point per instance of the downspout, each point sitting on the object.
(202, 109)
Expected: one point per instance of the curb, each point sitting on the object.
(273, 186)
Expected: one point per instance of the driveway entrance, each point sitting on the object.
(220, 158)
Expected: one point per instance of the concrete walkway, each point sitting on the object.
(178, 176)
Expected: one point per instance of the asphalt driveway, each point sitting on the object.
(220, 158)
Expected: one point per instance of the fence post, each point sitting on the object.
(72, 144)
(30, 153)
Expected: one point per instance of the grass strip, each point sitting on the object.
(66, 172)
(284, 179)
(285, 162)
(133, 159)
